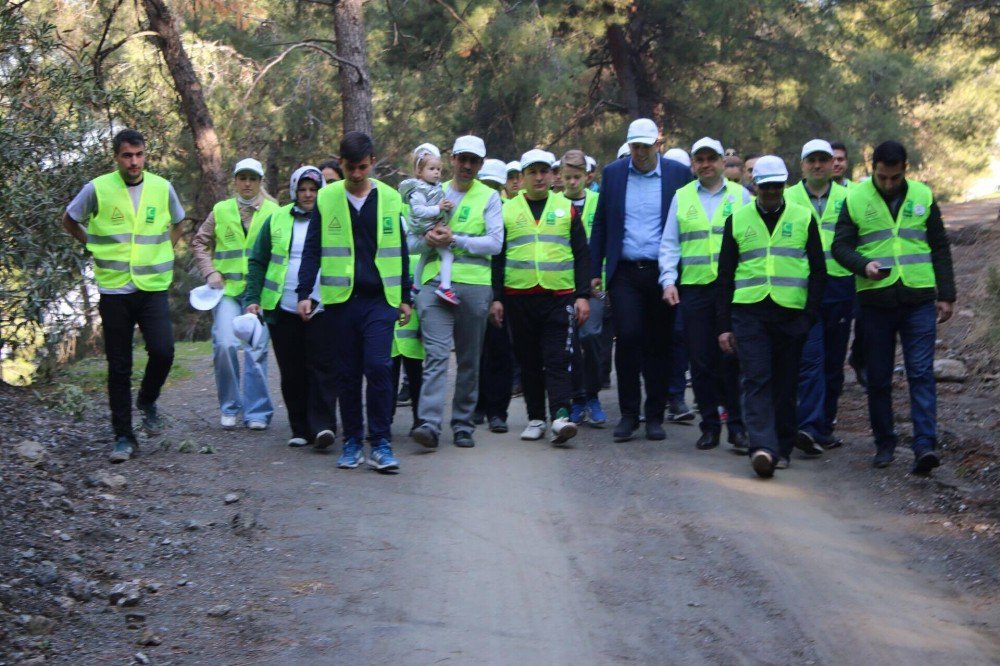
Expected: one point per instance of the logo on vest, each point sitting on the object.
(749, 234)
(464, 213)
(837, 205)
(870, 212)
(919, 210)
(550, 218)
(727, 209)
(522, 220)
(786, 229)
(692, 212)
(334, 224)
(908, 209)
(117, 215)
(150, 214)
(386, 225)
(230, 235)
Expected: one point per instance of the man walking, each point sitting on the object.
(132, 220)
(689, 266)
(821, 372)
(891, 236)
(474, 233)
(771, 273)
(628, 225)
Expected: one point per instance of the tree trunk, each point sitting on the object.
(214, 184)
(625, 44)
(355, 82)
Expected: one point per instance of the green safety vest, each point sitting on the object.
(466, 220)
(336, 268)
(280, 226)
(589, 210)
(900, 243)
(701, 239)
(130, 246)
(827, 223)
(774, 264)
(406, 339)
(233, 245)
(539, 254)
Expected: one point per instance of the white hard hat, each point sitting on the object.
(204, 297)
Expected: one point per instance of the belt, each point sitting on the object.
(641, 263)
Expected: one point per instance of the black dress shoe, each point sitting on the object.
(654, 431)
(708, 440)
(626, 428)
(925, 462)
(740, 443)
(498, 424)
(883, 459)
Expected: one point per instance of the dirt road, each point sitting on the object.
(518, 553)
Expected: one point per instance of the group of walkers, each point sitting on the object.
(701, 260)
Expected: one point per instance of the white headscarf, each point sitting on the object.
(308, 172)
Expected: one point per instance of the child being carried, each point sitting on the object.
(428, 210)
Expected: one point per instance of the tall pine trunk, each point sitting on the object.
(355, 83)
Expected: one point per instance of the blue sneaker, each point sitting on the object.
(353, 455)
(595, 413)
(577, 413)
(381, 458)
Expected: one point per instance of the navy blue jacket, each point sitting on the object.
(608, 232)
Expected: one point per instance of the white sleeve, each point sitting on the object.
(670, 247)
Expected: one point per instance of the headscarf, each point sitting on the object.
(308, 172)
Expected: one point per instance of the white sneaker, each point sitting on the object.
(257, 425)
(297, 442)
(534, 431)
(562, 431)
(228, 421)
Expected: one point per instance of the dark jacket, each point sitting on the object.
(608, 232)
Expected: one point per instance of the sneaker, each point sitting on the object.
(626, 428)
(447, 295)
(829, 441)
(655, 431)
(534, 431)
(381, 458)
(763, 463)
(404, 398)
(883, 458)
(563, 429)
(595, 414)
(577, 413)
(228, 421)
(324, 439)
(498, 425)
(516, 390)
(298, 442)
(425, 436)
(125, 448)
(353, 454)
(151, 421)
(925, 462)
(708, 440)
(679, 412)
(464, 440)
(740, 443)
(808, 445)
(782, 463)
(257, 425)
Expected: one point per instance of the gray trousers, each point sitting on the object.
(443, 325)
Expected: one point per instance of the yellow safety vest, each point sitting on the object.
(280, 227)
(827, 223)
(233, 245)
(466, 220)
(772, 264)
(337, 252)
(701, 239)
(900, 243)
(539, 254)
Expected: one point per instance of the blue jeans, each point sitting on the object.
(253, 401)
(587, 354)
(916, 326)
(821, 372)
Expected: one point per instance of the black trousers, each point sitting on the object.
(644, 329)
(542, 329)
(715, 377)
(414, 368)
(496, 372)
(119, 315)
(306, 366)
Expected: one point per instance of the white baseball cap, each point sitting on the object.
(205, 298)
(643, 131)
(247, 327)
(770, 169)
(537, 156)
(469, 144)
(514, 166)
(495, 171)
(623, 151)
(817, 146)
(249, 164)
(710, 143)
(678, 155)
(590, 162)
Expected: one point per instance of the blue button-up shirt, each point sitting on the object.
(643, 209)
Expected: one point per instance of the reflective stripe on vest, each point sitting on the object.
(280, 229)
(466, 221)
(827, 222)
(901, 243)
(406, 339)
(336, 274)
(538, 254)
(129, 244)
(232, 244)
(772, 264)
(701, 239)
